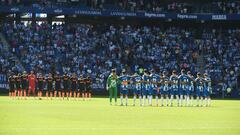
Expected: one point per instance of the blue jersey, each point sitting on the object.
(207, 83)
(174, 82)
(136, 80)
(165, 83)
(124, 82)
(146, 82)
(199, 84)
(154, 81)
(191, 88)
(184, 82)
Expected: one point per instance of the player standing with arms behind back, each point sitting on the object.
(24, 84)
(65, 86)
(11, 81)
(137, 85)
(32, 84)
(40, 81)
(88, 90)
(207, 89)
(124, 84)
(199, 88)
(49, 86)
(155, 78)
(191, 88)
(165, 88)
(174, 87)
(81, 87)
(184, 86)
(146, 87)
(112, 82)
(73, 90)
(18, 85)
(58, 82)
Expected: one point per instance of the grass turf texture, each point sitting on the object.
(39, 117)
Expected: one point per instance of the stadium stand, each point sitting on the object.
(96, 48)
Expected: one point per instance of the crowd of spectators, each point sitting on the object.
(228, 7)
(7, 60)
(96, 49)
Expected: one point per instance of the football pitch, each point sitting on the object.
(46, 117)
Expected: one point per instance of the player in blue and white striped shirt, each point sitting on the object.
(137, 87)
(174, 91)
(207, 89)
(155, 78)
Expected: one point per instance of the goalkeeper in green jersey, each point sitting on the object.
(112, 82)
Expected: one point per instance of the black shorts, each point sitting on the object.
(81, 88)
(18, 86)
(40, 87)
(11, 88)
(24, 85)
(74, 88)
(57, 87)
(88, 88)
(50, 88)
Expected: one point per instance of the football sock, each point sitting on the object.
(134, 100)
(121, 99)
(140, 97)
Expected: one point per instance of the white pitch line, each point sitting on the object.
(77, 128)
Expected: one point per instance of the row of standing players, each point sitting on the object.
(70, 86)
(183, 88)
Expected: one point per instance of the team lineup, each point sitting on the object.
(183, 88)
(55, 85)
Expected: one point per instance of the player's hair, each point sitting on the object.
(174, 71)
(199, 74)
(183, 71)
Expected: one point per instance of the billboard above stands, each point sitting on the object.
(120, 13)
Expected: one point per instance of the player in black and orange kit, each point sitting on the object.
(74, 81)
(81, 86)
(49, 86)
(57, 79)
(88, 89)
(40, 80)
(11, 81)
(65, 79)
(18, 85)
(24, 84)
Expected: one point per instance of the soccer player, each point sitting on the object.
(124, 85)
(74, 81)
(199, 88)
(191, 88)
(40, 81)
(137, 85)
(174, 87)
(57, 79)
(184, 85)
(155, 78)
(88, 90)
(65, 86)
(81, 86)
(207, 89)
(112, 82)
(49, 86)
(32, 83)
(18, 85)
(11, 81)
(165, 88)
(24, 83)
(146, 87)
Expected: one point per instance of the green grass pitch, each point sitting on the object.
(97, 117)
